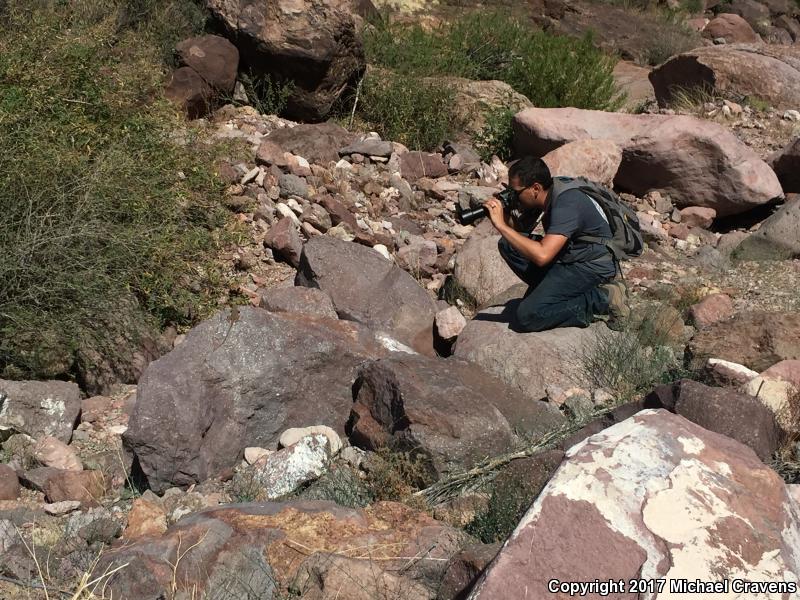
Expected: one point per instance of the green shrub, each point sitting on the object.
(550, 70)
(672, 38)
(510, 499)
(97, 203)
(342, 485)
(413, 112)
(497, 135)
(266, 95)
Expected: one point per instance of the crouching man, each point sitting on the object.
(570, 271)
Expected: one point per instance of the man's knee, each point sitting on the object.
(529, 319)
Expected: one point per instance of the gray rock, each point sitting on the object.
(368, 147)
(367, 288)
(39, 408)
(786, 164)
(298, 299)
(233, 385)
(292, 185)
(479, 268)
(779, 235)
(284, 471)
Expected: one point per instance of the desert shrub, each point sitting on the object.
(787, 459)
(497, 135)
(550, 70)
(394, 474)
(267, 95)
(672, 39)
(97, 202)
(510, 499)
(415, 113)
(342, 485)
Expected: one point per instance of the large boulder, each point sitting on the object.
(231, 385)
(212, 57)
(786, 164)
(655, 497)
(597, 160)
(756, 340)
(367, 288)
(695, 162)
(308, 549)
(769, 72)
(190, 92)
(529, 362)
(778, 236)
(479, 268)
(722, 410)
(451, 410)
(732, 28)
(311, 43)
(39, 408)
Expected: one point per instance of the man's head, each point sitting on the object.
(530, 178)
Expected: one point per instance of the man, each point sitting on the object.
(570, 280)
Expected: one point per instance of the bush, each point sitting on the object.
(497, 135)
(672, 39)
(510, 499)
(96, 200)
(342, 485)
(550, 70)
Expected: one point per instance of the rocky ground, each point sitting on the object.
(342, 429)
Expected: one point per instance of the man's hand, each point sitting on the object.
(496, 212)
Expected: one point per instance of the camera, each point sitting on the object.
(508, 197)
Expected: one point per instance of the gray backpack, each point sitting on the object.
(626, 241)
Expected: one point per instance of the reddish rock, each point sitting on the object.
(86, 487)
(189, 91)
(756, 340)
(721, 410)
(733, 28)
(766, 71)
(415, 165)
(679, 231)
(310, 301)
(146, 519)
(285, 240)
(367, 288)
(597, 160)
(479, 268)
(269, 153)
(52, 452)
(450, 410)
(694, 161)
(786, 164)
(338, 212)
(316, 142)
(778, 237)
(212, 57)
(449, 323)
(230, 385)
(627, 487)
(9, 483)
(96, 408)
(697, 216)
(263, 546)
(633, 80)
(712, 309)
(464, 569)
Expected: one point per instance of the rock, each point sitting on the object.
(651, 227)
(769, 72)
(627, 487)
(51, 452)
(96, 525)
(292, 185)
(726, 373)
(310, 301)
(721, 410)
(755, 13)
(697, 216)
(284, 471)
(253, 454)
(597, 160)
(756, 340)
(633, 80)
(778, 388)
(211, 396)
(733, 28)
(338, 212)
(779, 235)
(712, 309)
(383, 251)
(694, 161)
(479, 268)
(146, 519)
(60, 509)
(452, 412)
(9, 483)
(190, 92)
(284, 239)
(315, 45)
(261, 546)
(269, 153)
(96, 408)
(293, 435)
(86, 487)
(418, 257)
(729, 242)
(528, 362)
(212, 57)
(449, 323)
(368, 147)
(366, 288)
(39, 408)
(464, 569)
(316, 142)
(415, 165)
(790, 24)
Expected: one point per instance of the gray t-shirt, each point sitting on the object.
(574, 214)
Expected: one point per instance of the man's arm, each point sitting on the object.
(540, 253)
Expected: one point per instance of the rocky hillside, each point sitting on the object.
(325, 400)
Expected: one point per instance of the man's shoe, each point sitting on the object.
(618, 310)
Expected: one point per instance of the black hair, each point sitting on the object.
(530, 170)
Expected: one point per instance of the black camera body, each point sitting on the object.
(508, 198)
